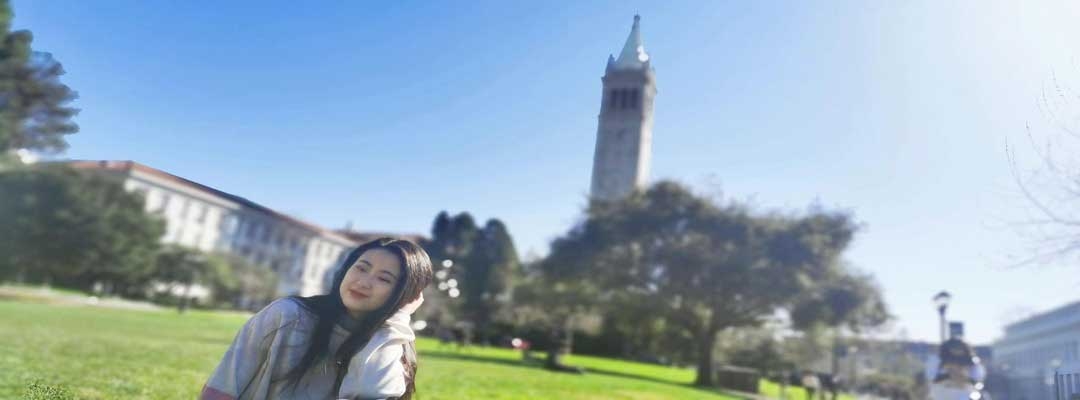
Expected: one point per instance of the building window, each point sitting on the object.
(164, 205)
(151, 201)
(634, 99)
(612, 94)
(184, 208)
(228, 224)
(201, 214)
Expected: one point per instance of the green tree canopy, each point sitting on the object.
(33, 103)
(75, 228)
(482, 263)
(488, 273)
(241, 284)
(842, 299)
(706, 266)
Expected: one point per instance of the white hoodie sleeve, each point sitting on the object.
(380, 377)
(376, 372)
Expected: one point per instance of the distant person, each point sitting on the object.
(958, 372)
(831, 384)
(811, 383)
(354, 342)
(525, 346)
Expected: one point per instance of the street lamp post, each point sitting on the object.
(942, 302)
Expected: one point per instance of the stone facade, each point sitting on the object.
(200, 217)
(1033, 348)
(623, 153)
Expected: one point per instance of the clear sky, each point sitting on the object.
(385, 114)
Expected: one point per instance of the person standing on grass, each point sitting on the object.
(811, 383)
(354, 342)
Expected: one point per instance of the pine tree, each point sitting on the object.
(34, 113)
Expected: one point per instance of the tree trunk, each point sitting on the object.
(705, 359)
(568, 342)
(554, 357)
(557, 347)
(561, 343)
(185, 299)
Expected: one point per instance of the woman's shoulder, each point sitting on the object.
(281, 312)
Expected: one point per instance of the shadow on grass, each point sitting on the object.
(687, 385)
(466, 356)
(538, 363)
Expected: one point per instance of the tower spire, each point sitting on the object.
(633, 55)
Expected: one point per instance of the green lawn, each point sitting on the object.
(101, 353)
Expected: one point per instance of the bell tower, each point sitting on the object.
(624, 131)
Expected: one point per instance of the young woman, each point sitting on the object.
(352, 343)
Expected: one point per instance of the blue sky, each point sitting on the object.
(385, 114)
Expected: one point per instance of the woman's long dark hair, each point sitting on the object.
(328, 309)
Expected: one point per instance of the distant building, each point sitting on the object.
(1067, 381)
(201, 217)
(1033, 348)
(624, 130)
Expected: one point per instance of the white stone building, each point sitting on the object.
(1033, 348)
(624, 132)
(200, 217)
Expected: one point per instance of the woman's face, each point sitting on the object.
(369, 281)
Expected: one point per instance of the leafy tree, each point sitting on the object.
(708, 267)
(242, 284)
(77, 229)
(560, 306)
(480, 263)
(33, 103)
(449, 248)
(183, 267)
(487, 274)
(842, 299)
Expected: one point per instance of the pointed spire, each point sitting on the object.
(633, 55)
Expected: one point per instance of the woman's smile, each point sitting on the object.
(356, 294)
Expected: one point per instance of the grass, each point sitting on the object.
(36, 291)
(102, 353)
(772, 390)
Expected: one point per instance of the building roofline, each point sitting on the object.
(1035, 318)
(129, 166)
